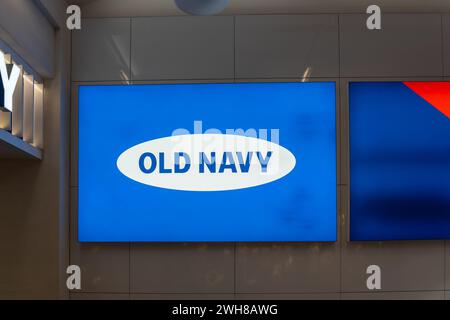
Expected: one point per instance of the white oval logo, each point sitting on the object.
(206, 162)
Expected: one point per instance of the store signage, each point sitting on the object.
(207, 162)
(231, 162)
(399, 160)
(10, 74)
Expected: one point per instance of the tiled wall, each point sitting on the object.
(255, 48)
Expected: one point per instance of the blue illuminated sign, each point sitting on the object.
(207, 162)
(399, 160)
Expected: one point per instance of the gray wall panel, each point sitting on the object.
(404, 266)
(407, 45)
(99, 296)
(343, 132)
(446, 43)
(287, 296)
(101, 50)
(104, 267)
(183, 48)
(73, 175)
(287, 46)
(447, 265)
(178, 296)
(182, 268)
(421, 295)
(284, 268)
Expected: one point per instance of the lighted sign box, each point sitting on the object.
(399, 160)
(207, 162)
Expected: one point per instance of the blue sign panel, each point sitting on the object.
(207, 163)
(399, 160)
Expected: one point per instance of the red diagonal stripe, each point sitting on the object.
(435, 93)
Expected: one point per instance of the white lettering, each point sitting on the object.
(9, 83)
(374, 20)
(374, 280)
(74, 20)
(74, 280)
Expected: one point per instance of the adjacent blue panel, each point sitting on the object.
(298, 207)
(399, 162)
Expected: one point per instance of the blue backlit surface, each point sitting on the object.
(299, 207)
(399, 164)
